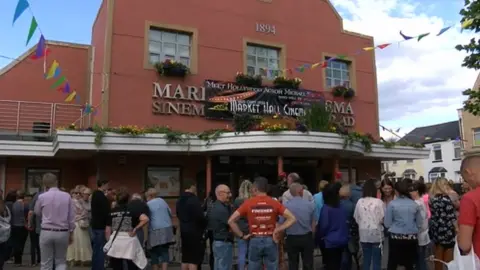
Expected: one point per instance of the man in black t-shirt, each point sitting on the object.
(100, 214)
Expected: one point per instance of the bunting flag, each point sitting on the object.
(422, 36)
(22, 5)
(71, 96)
(443, 30)
(383, 46)
(59, 82)
(52, 71)
(404, 36)
(315, 65)
(467, 23)
(40, 51)
(33, 28)
(368, 48)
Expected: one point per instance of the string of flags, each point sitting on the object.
(54, 73)
(324, 63)
(423, 137)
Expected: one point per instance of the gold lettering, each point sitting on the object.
(179, 93)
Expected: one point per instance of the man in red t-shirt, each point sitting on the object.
(262, 213)
(469, 218)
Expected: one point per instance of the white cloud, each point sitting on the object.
(420, 83)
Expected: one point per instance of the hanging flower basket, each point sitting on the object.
(282, 82)
(342, 91)
(339, 91)
(248, 80)
(350, 93)
(171, 68)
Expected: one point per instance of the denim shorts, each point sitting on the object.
(159, 254)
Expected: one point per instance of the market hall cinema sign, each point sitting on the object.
(221, 100)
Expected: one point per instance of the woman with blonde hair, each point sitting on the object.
(244, 193)
(80, 250)
(442, 222)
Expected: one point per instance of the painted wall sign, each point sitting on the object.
(265, 28)
(221, 100)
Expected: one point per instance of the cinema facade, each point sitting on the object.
(164, 131)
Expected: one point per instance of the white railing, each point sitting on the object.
(38, 118)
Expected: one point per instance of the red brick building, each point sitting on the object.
(215, 39)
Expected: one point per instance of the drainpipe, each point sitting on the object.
(3, 173)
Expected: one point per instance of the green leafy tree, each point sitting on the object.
(471, 21)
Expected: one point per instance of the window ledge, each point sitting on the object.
(456, 159)
(437, 161)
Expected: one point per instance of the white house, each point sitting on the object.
(445, 154)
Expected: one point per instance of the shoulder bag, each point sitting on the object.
(106, 248)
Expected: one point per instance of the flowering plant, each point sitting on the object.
(342, 91)
(248, 80)
(283, 82)
(171, 68)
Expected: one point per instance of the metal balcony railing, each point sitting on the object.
(38, 119)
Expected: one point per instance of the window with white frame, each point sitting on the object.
(433, 176)
(476, 136)
(457, 150)
(164, 44)
(262, 60)
(437, 152)
(337, 73)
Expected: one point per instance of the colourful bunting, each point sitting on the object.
(66, 88)
(59, 82)
(33, 28)
(52, 71)
(35, 57)
(315, 65)
(369, 48)
(40, 51)
(383, 46)
(422, 36)
(443, 30)
(467, 23)
(404, 36)
(71, 96)
(22, 5)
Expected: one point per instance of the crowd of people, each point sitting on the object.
(373, 224)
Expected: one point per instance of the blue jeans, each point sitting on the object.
(421, 259)
(346, 260)
(262, 251)
(223, 255)
(98, 256)
(372, 255)
(242, 253)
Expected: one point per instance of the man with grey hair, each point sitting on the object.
(58, 222)
(295, 178)
(299, 240)
(222, 235)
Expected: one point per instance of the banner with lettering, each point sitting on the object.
(224, 99)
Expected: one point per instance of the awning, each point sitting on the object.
(438, 170)
(409, 171)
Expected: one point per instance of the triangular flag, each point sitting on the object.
(57, 73)
(22, 5)
(71, 96)
(300, 69)
(383, 46)
(52, 70)
(40, 51)
(59, 82)
(467, 23)
(307, 65)
(66, 89)
(35, 57)
(443, 30)
(33, 28)
(87, 109)
(369, 48)
(77, 99)
(404, 36)
(315, 65)
(422, 36)
(398, 130)
(324, 64)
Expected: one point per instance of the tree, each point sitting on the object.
(471, 21)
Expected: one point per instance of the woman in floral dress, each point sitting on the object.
(443, 222)
(80, 251)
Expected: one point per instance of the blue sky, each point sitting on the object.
(58, 20)
(423, 90)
